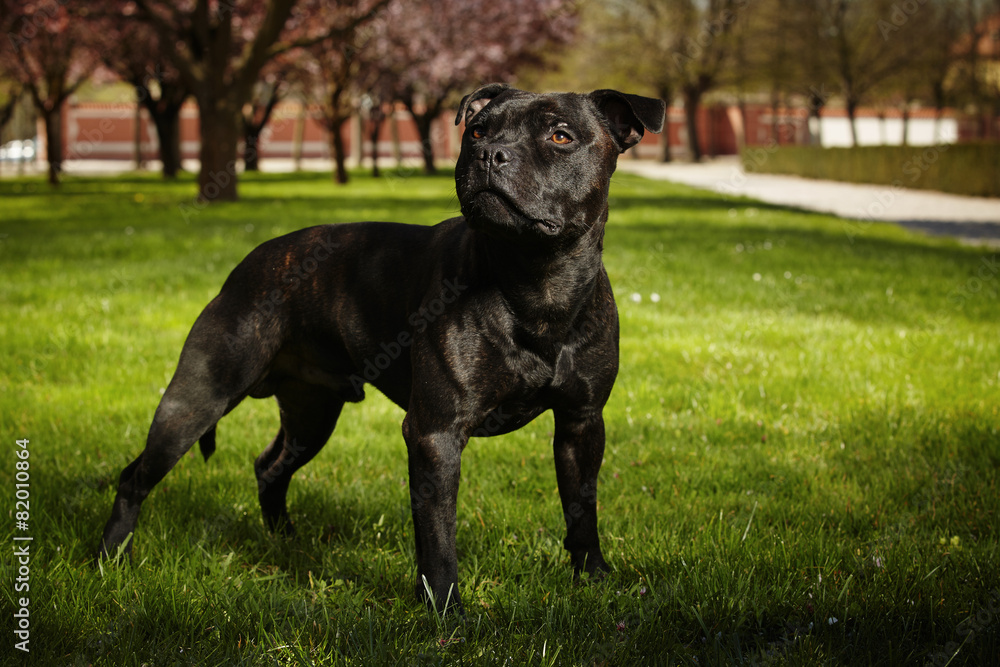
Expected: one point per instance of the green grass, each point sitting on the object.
(805, 428)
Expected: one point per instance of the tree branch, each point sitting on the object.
(257, 52)
(183, 60)
(335, 32)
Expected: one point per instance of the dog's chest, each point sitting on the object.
(531, 387)
(537, 379)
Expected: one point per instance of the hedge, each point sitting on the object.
(964, 169)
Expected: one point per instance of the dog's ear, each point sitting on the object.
(629, 115)
(474, 102)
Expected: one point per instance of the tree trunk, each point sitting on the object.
(53, 142)
(339, 152)
(816, 104)
(220, 131)
(423, 122)
(666, 94)
(666, 150)
(852, 111)
(299, 135)
(374, 139)
(692, 98)
(139, 160)
(166, 115)
(775, 124)
(375, 118)
(906, 125)
(251, 154)
(397, 146)
(168, 132)
(253, 127)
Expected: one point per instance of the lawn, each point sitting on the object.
(802, 461)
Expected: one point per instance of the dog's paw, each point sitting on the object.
(113, 554)
(590, 568)
(446, 606)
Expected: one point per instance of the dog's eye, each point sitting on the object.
(561, 138)
(477, 133)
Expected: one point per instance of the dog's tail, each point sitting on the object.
(207, 443)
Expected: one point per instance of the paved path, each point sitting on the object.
(973, 219)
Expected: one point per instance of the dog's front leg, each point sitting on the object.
(435, 466)
(579, 451)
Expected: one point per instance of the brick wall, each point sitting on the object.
(107, 132)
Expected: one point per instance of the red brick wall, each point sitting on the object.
(107, 131)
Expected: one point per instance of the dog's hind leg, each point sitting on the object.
(308, 417)
(213, 376)
(180, 420)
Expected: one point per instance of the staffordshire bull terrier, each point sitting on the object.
(474, 327)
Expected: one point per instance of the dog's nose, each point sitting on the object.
(495, 155)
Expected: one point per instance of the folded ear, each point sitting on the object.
(629, 116)
(474, 102)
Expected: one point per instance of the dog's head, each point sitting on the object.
(537, 167)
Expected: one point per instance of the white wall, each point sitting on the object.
(875, 131)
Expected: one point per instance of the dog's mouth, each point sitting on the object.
(548, 227)
(495, 206)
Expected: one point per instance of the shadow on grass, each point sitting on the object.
(297, 584)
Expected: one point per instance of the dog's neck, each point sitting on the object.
(540, 286)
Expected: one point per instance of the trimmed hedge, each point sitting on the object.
(964, 169)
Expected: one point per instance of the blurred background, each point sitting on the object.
(286, 84)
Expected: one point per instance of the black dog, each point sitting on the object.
(474, 326)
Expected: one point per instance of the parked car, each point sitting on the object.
(18, 150)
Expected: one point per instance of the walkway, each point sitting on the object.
(972, 219)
